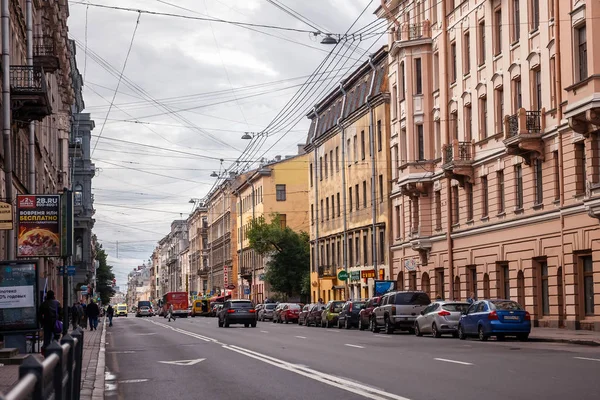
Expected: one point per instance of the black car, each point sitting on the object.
(237, 312)
(349, 315)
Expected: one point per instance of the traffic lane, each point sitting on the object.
(444, 361)
(170, 365)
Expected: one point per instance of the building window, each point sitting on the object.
(418, 77)
(280, 192)
(382, 246)
(349, 151)
(453, 71)
(412, 280)
(436, 71)
(518, 187)
(350, 198)
(401, 92)
(588, 284)
(539, 186)
(397, 220)
(535, 15)
(78, 195)
(498, 31)
(516, 31)
(326, 167)
(472, 271)
(469, 194)
(556, 175)
(499, 110)
(379, 138)
(517, 92)
(394, 102)
(414, 204)
(580, 166)
(357, 196)
(322, 212)
(338, 205)
(552, 80)
(437, 131)
(483, 118)
(438, 210)
(350, 252)
(501, 196)
(455, 205)
(484, 196)
(365, 250)
(454, 125)
(357, 249)
(312, 214)
(545, 289)
(537, 89)
(581, 49)
(332, 207)
(362, 144)
(327, 208)
(482, 44)
(331, 162)
(551, 9)
(505, 281)
(381, 189)
(337, 159)
(420, 143)
(365, 194)
(356, 148)
(403, 147)
(468, 123)
(467, 53)
(283, 221)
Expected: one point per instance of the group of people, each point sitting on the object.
(51, 317)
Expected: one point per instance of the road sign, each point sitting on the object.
(183, 362)
(246, 291)
(342, 275)
(71, 270)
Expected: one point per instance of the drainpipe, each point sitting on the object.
(444, 117)
(561, 172)
(373, 170)
(345, 219)
(316, 178)
(6, 117)
(31, 160)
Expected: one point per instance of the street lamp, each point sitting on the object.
(246, 136)
(214, 175)
(329, 39)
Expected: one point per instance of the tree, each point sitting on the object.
(289, 255)
(104, 276)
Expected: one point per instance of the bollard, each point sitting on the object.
(68, 339)
(59, 369)
(77, 335)
(31, 365)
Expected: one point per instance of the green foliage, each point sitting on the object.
(104, 276)
(288, 267)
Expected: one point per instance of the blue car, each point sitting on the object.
(499, 318)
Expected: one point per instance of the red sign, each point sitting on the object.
(39, 226)
(381, 274)
(368, 274)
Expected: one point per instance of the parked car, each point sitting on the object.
(330, 314)
(499, 318)
(266, 311)
(277, 312)
(237, 312)
(303, 316)
(215, 307)
(290, 313)
(398, 310)
(364, 316)
(440, 317)
(314, 315)
(143, 311)
(349, 315)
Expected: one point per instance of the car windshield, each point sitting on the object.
(410, 298)
(270, 306)
(460, 307)
(121, 308)
(505, 305)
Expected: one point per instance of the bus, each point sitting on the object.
(179, 301)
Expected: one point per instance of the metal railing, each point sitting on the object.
(58, 377)
(512, 125)
(459, 151)
(327, 271)
(43, 46)
(25, 78)
(533, 122)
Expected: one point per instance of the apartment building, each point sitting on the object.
(495, 153)
(276, 187)
(198, 252)
(349, 164)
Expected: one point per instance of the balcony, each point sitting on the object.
(328, 271)
(29, 93)
(246, 272)
(411, 34)
(75, 147)
(458, 161)
(523, 135)
(44, 54)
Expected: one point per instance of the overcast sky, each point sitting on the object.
(189, 91)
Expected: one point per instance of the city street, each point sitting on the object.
(192, 358)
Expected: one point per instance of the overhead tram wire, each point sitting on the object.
(137, 24)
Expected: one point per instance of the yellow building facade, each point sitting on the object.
(349, 179)
(278, 187)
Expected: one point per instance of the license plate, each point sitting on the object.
(512, 317)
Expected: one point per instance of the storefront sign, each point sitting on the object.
(6, 216)
(382, 274)
(226, 276)
(355, 275)
(410, 265)
(39, 226)
(18, 291)
(367, 274)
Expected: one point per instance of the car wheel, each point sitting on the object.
(417, 329)
(523, 337)
(373, 325)
(246, 325)
(435, 332)
(346, 324)
(481, 334)
(253, 324)
(389, 329)
(461, 333)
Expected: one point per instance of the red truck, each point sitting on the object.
(179, 301)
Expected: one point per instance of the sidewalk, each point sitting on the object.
(589, 338)
(92, 372)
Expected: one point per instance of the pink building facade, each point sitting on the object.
(495, 153)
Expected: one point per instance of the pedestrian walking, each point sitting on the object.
(110, 312)
(93, 311)
(75, 315)
(170, 313)
(50, 316)
(471, 298)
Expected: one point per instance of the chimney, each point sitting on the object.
(301, 149)
(277, 158)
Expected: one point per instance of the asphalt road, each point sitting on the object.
(278, 361)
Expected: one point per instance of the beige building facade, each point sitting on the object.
(198, 252)
(349, 184)
(495, 153)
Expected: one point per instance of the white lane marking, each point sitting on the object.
(354, 345)
(121, 352)
(133, 381)
(452, 361)
(587, 359)
(185, 363)
(301, 337)
(332, 380)
(264, 331)
(146, 334)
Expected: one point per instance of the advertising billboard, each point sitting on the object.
(39, 226)
(18, 296)
(382, 287)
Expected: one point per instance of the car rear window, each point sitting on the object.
(143, 304)
(505, 305)
(410, 298)
(294, 307)
(358, 304)
(241, 304)
(460, 307)
(270, 306)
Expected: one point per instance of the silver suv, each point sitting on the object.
(398, 310)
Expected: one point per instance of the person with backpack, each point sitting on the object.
(50, 315)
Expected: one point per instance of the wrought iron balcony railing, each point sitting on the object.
(326, 271)
(25, 78)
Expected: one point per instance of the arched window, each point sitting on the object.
(78, 195)
(425, 284)
(521, 288)
(486, 286)
(400, 280)
(457, 288)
